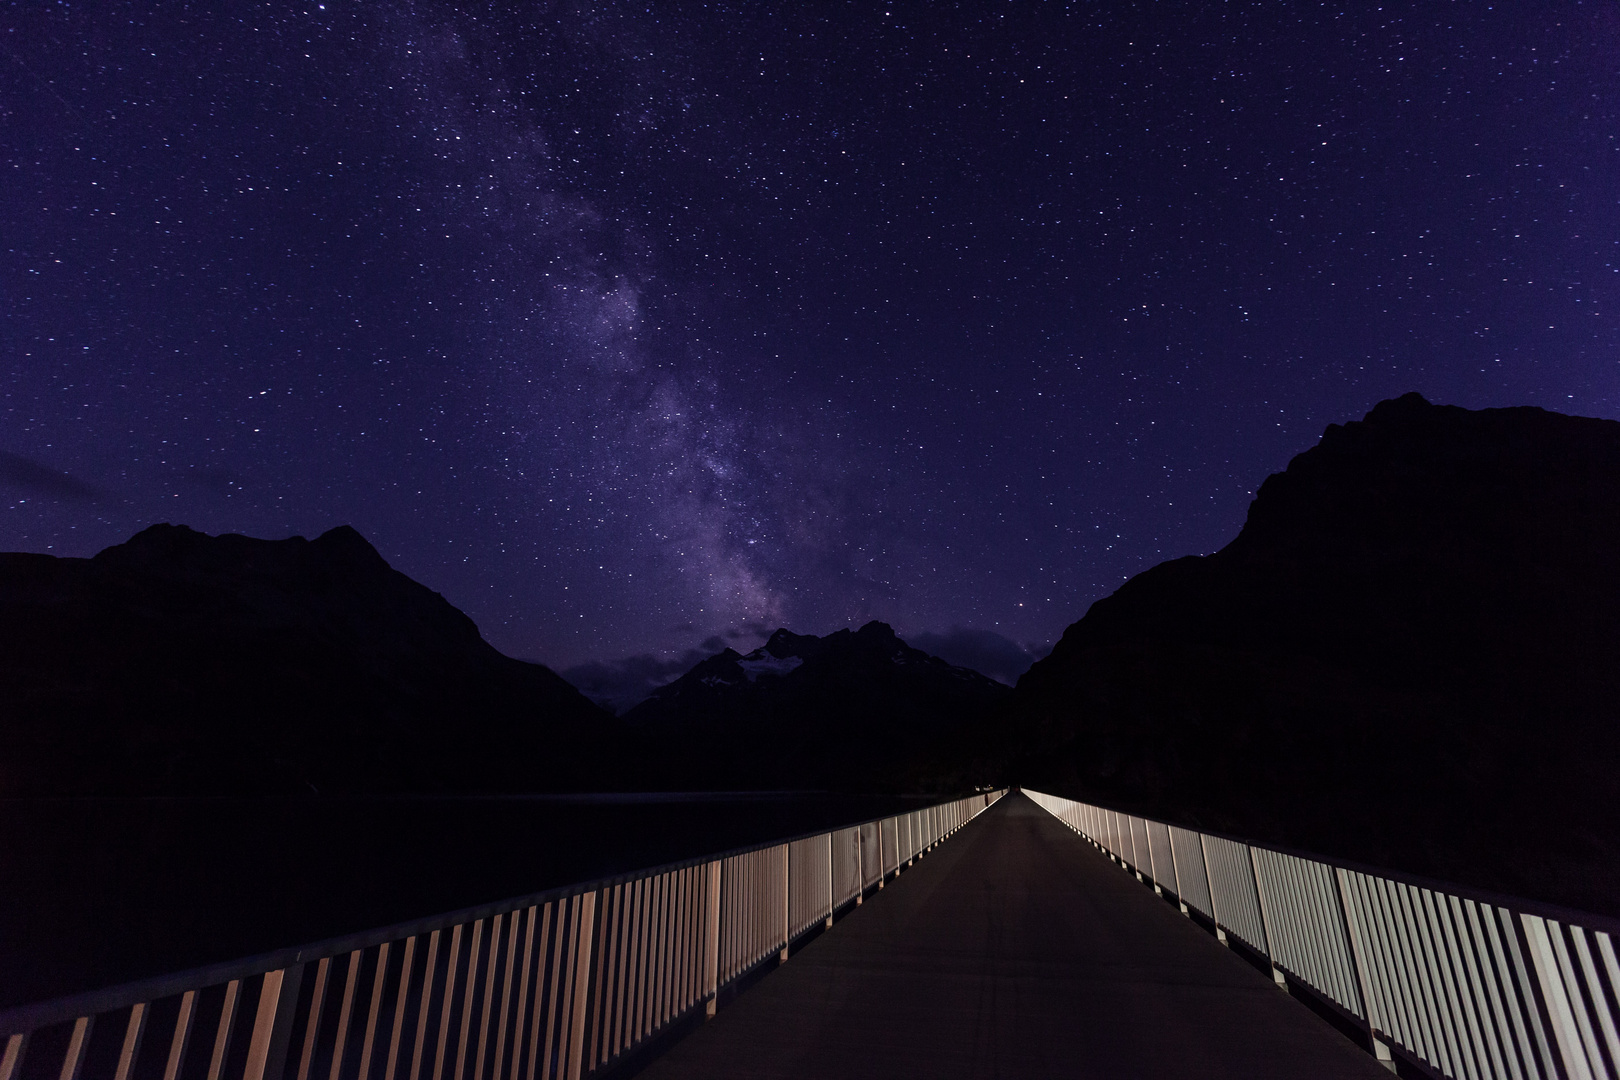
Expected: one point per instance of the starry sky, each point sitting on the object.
(635, 329)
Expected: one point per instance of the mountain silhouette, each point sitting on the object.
(184, 663)
(1410, 657)
(857, 710)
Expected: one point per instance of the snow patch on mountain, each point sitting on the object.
(759, 662)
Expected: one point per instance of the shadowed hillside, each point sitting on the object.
(184, 663)
(1410, 656)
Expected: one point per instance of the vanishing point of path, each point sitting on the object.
(1015, 949)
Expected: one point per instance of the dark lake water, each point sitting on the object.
(95, 892)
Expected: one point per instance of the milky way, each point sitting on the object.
(636, 330)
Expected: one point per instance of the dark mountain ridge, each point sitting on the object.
(1410, 657)
(184, 663)
(854, 710)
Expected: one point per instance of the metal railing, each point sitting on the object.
(1470, 988)
(560, 984)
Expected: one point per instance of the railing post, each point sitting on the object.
(582, 976)
(860, 871)
(9, 1064)
(182, 1035)
(272, 1027)
(832, 882)
(711, 941)
(1347, 916)
(1265, 920)
(1209, 879)
(881, 871)
(787, 901)
(133, 1033)
(1546, 983)
(73, 1062)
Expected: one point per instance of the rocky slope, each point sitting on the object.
(184, 663)
(855, 710)
(1410, 656)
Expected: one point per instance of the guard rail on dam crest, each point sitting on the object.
(561, 984)
(1468, 988)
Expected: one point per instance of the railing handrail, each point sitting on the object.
(31, 1016)
(1457, 980)
(1545, 909)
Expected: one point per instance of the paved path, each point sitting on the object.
(1014, 950)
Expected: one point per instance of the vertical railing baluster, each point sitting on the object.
(683, 966)
(73, 1060)
(1358, 960)
(832, 883)
(666, 938)
(182, 1035)
(1490, 976)
(647, 1006)
(272, 1024)
(424, 1010)
(694, 941)
(524, 979)
(624, 1013)
(222, 1037)
(756, 908)
(603, 970)
(881, 858)
(1266, 935)
(624, 976)
(607, 968)
(469, 994)
(562, 985)
(647, 971)
(490, 966)
(1489, 1052)
(16, 1046)
(132, 1041)
(312, 1027)
(711, 939)
(506, 997)
(860, 865)
(582, 972)
(370, 1039)
(448, 1003)
(678, 953)
(399, 1007)
(787, 902)
(1559, 1011)
(343, 1015)
(1209, 879)
(542, 964)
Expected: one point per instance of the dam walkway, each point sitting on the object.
(1015, 950)
(986, 936)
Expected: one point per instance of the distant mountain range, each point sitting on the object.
(184, 663)
(855, 709)
(1410, 656)
(181, 663)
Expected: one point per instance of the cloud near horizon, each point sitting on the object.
(36, 478)
(618, 685)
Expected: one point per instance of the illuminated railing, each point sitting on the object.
(563, 984)
(1469, 988)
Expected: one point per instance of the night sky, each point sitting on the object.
(633, 327)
